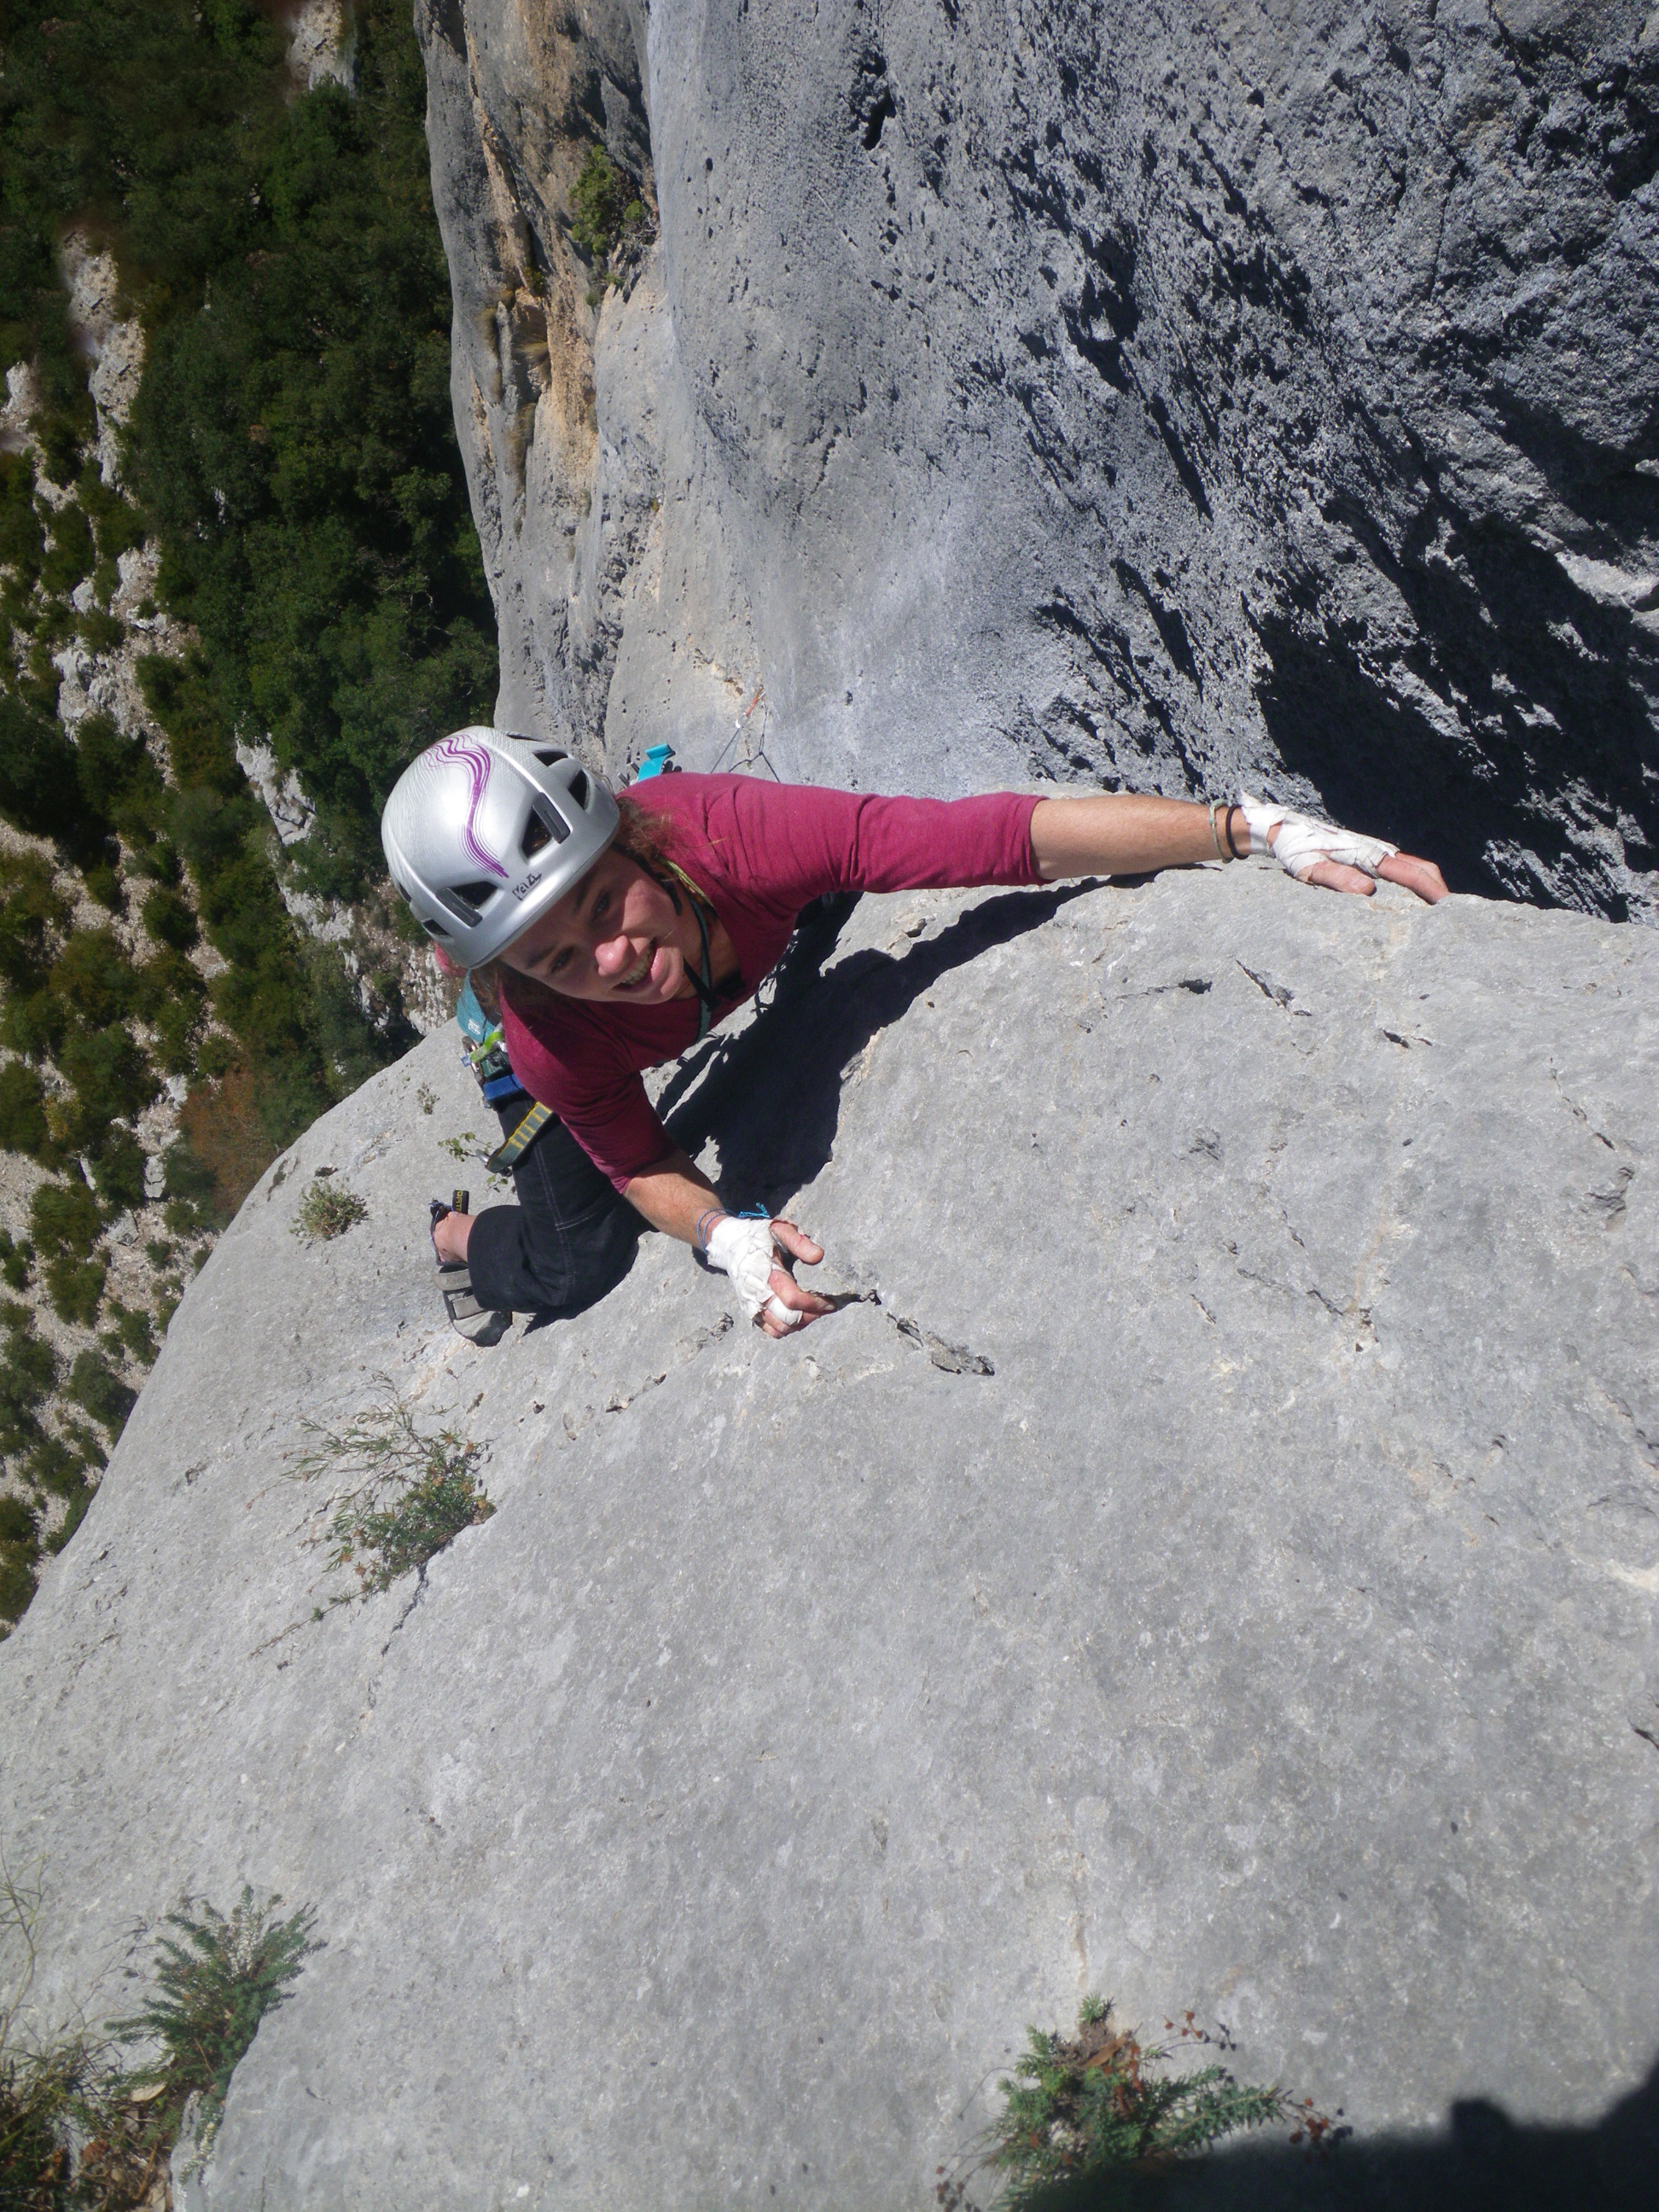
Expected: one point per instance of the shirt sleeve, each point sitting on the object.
(601, 1101)
(799, 840)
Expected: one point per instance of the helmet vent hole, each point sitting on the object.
(544, 827)
(549, 755)
(578, 789)
(476, 895)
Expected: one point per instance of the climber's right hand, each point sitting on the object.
(756, 1255)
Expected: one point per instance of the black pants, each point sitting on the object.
(569, 1239)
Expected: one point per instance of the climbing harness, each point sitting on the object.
(485, 1053)
(506, 1156)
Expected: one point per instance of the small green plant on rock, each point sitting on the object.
(72, 2138)
(327, 1210)
(1102, 2101)
(410, 1493)
(42, 2085)
(603, 203)
(217, 1983)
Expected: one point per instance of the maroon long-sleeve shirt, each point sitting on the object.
(759, 852)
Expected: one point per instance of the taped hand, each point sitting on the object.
(755, 1255)
(1341, 860)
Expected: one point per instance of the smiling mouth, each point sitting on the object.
(637, 974)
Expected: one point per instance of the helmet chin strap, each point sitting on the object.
(703, 985)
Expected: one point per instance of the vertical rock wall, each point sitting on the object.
(1146, 396)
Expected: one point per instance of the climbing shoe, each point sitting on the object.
(479, 1324)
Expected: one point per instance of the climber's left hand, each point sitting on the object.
(1405, 868)
(1336, 859)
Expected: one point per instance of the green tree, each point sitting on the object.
(94, 976)
(94, 1384)
(63, 1218)
(295, 450)
(22, 1110)
(37, 770)
(29, 1374)
(170, 919)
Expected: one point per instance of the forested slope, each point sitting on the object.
(231, 513)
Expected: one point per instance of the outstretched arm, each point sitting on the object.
(1125, 833)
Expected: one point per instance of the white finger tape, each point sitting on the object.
(1300, 843)
(745, 1251)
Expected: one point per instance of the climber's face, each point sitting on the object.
(615, 937)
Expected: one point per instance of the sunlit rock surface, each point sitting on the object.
(1218, 1570)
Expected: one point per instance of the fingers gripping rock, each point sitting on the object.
(745, 1251)
(1300, 843)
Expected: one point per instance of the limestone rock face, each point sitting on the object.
(1218, 1570)
(1154, 396)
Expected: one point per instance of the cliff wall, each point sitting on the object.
(1148, 396)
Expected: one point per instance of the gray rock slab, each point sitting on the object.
(1270, 1631)
(1160, 398)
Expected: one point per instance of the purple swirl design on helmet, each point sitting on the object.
(476, 761)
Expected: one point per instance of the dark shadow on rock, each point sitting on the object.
(773, 1095)
(1484, 2163)
(1555, 688)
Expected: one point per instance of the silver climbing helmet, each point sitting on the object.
(484, 832)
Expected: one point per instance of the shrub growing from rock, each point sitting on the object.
(95, 1385)
(218, 1980)
(75, 1288)
(15, 1262)
(1082, 2108)
(170, 918)
(18, 1521)
(94, 976)
(602, 200)
(17, 1582)
(37, 768)
(327, 1210)
(411, 1491)
(22, 1110)
(32, 912)
(29, 1370)
(64, 1217)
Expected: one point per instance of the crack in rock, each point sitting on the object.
(1280, 993)
(952, 1358)
(415, 1597)
(685, 1351)
(1610, 1204)
(1198, 985)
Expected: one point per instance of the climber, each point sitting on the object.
(615, 933)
